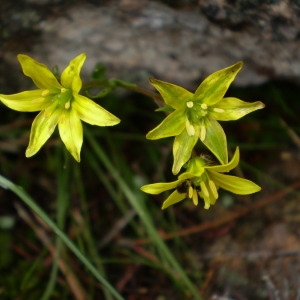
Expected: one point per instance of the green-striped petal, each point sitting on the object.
(229, 109)
(70, 78)
(175, 197)
(25, 101)
(172, 125)
(42, 128)
(229, 166)
(234, 184)
(215, 140)
(214, 87)
(92, 113)
(173, 95)
(42, 77)
(70, 131)
(182, 149)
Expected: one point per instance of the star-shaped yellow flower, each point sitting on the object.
(59, 103)
(202, 180)
(195, 116)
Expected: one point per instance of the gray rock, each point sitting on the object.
(180, 43)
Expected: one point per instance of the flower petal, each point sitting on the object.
(172, 94)
(42, 128)
(233, 109)
(182, 149)
(70, 78)
(172, 125)
(229, 166)
(234, 184)
(172, 199)
(214, 87)
(92, 113)
(70, 131)
(157, 188)
(215, 140)
(42, 77)
(25, 101)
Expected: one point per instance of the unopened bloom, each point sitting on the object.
(203, 181)
(59, 103)
(196, 116)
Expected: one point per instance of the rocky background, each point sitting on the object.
(179, 41)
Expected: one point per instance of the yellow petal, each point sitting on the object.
(42, 128)
(42, 77)
(70, 78)
(92, 113)
(25, 101)
(175, 197)
(70, 130)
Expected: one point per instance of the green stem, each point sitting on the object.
(137, 204)
(6, 184)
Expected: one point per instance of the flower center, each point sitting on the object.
(64, 98)
(196, 112)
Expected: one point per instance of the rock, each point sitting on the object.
(181, 43)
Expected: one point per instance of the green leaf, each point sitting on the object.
(214, 87)
(233, 109)
(173, 95)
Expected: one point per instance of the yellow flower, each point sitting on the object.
(59, 103)
(202, 180)
(195, 116)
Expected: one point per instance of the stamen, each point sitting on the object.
(190, 192)
(218, 110)
(202, 133)
(213, 189)
(189, 128)
(206, 205)
(203, 106)
(190, 104)
(195, 197)
(62, 90)
(204, 189)
(45, 92)
(67, 105)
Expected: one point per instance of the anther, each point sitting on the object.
(202, 133)
(195, 197)
(204, 189)
(67, 105)
(218, 110)
(190, 192)
(203, 106)
(213, 189)
(189, 128)
(190, 104)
